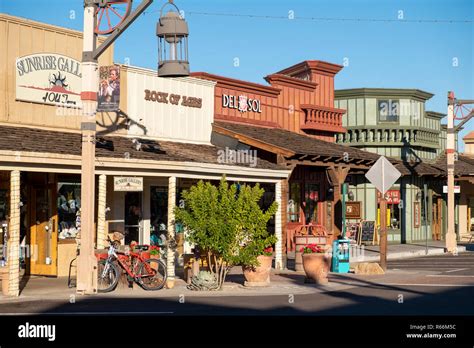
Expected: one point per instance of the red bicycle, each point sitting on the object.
(150, 274)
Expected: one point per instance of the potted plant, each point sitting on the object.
(258, 274)
(154, 252)
(316, 263)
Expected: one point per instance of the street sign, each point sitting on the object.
(383, 174)
(457, 189)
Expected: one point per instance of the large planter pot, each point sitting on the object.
(316, 267)
(259, 275)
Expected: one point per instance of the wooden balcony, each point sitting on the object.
(322, 118)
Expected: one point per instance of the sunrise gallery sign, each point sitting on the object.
(49, 78)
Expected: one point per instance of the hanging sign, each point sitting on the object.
(109, 88)
(48, 78)
(126, 183)
(457, 189)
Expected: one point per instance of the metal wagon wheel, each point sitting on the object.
(111, 14)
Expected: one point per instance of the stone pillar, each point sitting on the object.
(170, 265)
(278, 225)
(101, 207)
(13, 248)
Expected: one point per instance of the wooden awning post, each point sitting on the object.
(337, 175)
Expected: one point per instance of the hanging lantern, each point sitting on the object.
(172, 31)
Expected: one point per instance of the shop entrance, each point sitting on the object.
(43, 239)
(133, 216)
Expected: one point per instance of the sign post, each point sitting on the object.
(383, 232)
(383, 175)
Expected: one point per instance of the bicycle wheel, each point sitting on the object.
(152, 274)
(107, 281)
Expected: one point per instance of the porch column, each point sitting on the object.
(14, 235)
(279, 187)
(101, 206)
(171, 231)
(338, 176)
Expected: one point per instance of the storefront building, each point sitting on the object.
(294, 122)
(394, 123)
(158, 143)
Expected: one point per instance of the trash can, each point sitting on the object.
(340, 256)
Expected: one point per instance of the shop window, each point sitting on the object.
(69, 204)
(393, 209)
(158, 214)
(388, 110)
(294, 202)
(311, 198)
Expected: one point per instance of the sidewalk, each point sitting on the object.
(399, 251)
(283, 283)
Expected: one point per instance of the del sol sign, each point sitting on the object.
(49, 78)
(128, 183)
(241, 103)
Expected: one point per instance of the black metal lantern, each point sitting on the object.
(172, 31)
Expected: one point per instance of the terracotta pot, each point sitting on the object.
(259, 274)
(316, 267)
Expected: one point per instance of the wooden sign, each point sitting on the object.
(126, 183)
(353, 210)
(416, 214)
(367, 233)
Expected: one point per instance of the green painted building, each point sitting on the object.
(395, 123)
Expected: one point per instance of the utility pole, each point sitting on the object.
(87, 262)
(451, 240)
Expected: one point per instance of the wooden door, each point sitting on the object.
(43, 231)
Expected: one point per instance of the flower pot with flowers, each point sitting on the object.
(316, 263)
(259, 273)
(154, 252)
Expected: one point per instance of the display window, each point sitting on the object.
(159, 214)
(69, 205)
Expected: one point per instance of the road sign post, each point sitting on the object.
(383, 175)
(383, 232)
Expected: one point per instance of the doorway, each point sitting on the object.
(133, 216)
(43, 239)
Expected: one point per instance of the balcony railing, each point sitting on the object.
(322, 118)
(393, 136)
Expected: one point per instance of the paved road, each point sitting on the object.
(436, 285)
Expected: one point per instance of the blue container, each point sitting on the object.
(340, 256)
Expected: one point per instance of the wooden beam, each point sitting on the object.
(315, 158)
(254, 142)
(302, 157)
(324, 164)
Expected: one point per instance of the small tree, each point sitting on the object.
(227, 224)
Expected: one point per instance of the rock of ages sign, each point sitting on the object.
(383, 174)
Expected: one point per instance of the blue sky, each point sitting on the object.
(435, 57)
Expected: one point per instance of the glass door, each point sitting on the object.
(133, 216)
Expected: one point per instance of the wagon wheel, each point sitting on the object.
(111, 15)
